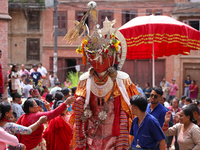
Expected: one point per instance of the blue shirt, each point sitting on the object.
(148, 91)
(36, 76)
(158, 112)
(148, 134)
(140, 90)
(188, 82)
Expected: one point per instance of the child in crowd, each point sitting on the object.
(58, 97)
(45, 91)
(36, 76)
(15, 79)
(14, 117)
(49, 99)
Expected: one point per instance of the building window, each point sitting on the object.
(103, 14)
(193, 23)
(33, 49)
(62, 23)
(128, 15)
(33, 20)
(157, 12)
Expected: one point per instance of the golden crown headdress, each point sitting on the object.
(102, 41)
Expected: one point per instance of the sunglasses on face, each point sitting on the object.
(152, 95)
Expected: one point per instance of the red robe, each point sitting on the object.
(58, 135)
(32, 140)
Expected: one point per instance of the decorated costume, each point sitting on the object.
(102, 109)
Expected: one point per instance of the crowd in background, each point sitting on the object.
(164, 105)
(28, 119)
(173, 119)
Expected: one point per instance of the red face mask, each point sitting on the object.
(98, 67)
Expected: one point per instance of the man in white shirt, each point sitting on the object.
(51, 80)
(44, 72)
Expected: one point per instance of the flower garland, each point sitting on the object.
(113, 46)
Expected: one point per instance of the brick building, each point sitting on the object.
(122, 11)
(187, 11)
(32, 46)
(25, 32)
(4, 18)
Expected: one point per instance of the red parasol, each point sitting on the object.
(156, 36)
(170, 37)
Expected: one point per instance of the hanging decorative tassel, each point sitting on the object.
(101, 59)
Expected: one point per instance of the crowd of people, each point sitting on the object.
(43, 120)
(178, 119)
(42, 117)
(22, 80)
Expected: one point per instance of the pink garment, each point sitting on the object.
(24, 72)
(6, 138)
(44, 95)
(173, 89)
(67, 84)
(31, 71)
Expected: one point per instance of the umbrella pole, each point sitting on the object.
(153, 66)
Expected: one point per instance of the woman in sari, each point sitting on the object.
(193, 90)
(58, 134)
(13, 128)
(34, 141)
(6, 138)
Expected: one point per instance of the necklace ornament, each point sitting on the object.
(101, 90)
(87, 114)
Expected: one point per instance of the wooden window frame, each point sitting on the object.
(62, 31)
(28, 55)
(135, 11)
(188, 20)
(101, 20)
(31, 26)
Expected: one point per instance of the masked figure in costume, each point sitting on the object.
(102, 109)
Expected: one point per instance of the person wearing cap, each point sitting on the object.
(26, 88)
(36, 76)
(15, 104)
(173, 89)
(56, 88)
